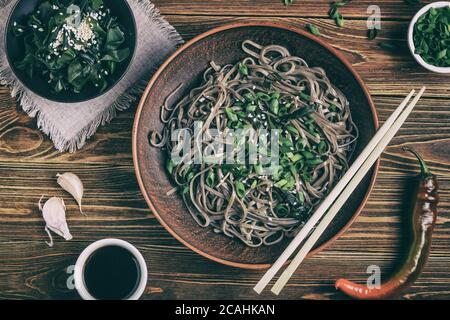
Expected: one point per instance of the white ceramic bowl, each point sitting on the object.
(418, 58)
(79, 267)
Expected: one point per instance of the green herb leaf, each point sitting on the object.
(339, 19)
(210, 178)
(322, 147)
(372, 33)
(170, 165)
(313, 29)
(250, 107)
(274, 106)
(263, 96)
(431, 36)
(307, 155)
(68, 63)
(240, 189)
(243, 69)
(185, 190)
(340, 4)
(231, 115)
(96, 4)
(114, 38)
(280, 183)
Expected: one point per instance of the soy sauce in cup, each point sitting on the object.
(111, 273)
(110, 269)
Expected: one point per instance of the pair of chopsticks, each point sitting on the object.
(338, 196)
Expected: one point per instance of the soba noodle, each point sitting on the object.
(268, 89)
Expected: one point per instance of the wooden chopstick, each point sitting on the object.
(323, 207)
(346, 193)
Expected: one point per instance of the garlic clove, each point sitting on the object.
(73, 185)
(54, 213)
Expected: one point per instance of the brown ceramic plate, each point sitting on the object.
(186, 65)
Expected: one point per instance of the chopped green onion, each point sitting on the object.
(250, 107)
(313, 29)
(305, 96)
(339, 19)
(243, 69)
(258, 169)
(301, 197)
(301, 144)
(240, 189)
(249, 97)
(281, 183)
(314, 162)
(372, 33)
(332, 108)
(263, 96)
(306, 176)
(292, 130)
(296, 157)
(170, 165)
(231, 115)
(274, 105)
(276, 95)
(210, 178)
(286, 142)
(322, 147)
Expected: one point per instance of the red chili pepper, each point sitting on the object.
(422, 221)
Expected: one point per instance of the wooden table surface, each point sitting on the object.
(116, 208)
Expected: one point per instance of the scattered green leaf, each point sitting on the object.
(313, 29)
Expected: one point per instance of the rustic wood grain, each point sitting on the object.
(115, 207)
(390, 9)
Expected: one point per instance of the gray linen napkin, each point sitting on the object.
(70, 125)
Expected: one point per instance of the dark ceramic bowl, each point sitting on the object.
(223, 45)
(15, 52)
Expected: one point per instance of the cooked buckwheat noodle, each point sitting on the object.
(317, 140)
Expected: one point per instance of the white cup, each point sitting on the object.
(81, 261)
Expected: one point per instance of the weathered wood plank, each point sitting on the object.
(299, 8)
(373, 63)
(20, 141)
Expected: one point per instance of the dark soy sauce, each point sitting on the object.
(111, 273)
